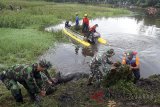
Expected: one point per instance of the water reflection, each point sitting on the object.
(148, 21)
(77, 49)
(86, 51)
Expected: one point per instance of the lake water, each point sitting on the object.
(137, 33)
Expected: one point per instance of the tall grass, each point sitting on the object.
(23, 20)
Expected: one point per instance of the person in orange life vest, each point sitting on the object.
(85, 24)
(131, 58)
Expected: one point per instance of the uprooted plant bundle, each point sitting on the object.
(116, 73)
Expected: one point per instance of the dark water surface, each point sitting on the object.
(136, 33)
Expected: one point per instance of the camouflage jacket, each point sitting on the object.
(100, 60)
(27, 74)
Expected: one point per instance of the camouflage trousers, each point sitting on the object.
(95, 74)
(13, 86)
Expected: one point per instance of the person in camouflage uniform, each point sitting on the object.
(30, 76)
(100, 60)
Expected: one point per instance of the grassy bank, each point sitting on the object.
(24, 45)
(78, 94)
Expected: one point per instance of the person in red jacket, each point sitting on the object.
(93, 34)
(93, 28)
(85, 25)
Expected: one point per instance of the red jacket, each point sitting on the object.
(93, 29)
(86, 21)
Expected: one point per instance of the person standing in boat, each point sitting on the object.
(85, 24)
(77, 22)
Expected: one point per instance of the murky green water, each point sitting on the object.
(141, 34)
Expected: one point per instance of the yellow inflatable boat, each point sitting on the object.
(80, 38)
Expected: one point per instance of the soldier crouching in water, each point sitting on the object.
(100, 60)
(29, 76)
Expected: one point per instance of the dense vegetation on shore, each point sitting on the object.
(141, 3)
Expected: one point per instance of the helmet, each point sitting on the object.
(110, 52)
(76, 13)
(85, 15)
(129, 54)
(45, 64)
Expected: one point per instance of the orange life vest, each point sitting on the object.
(134, 62)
